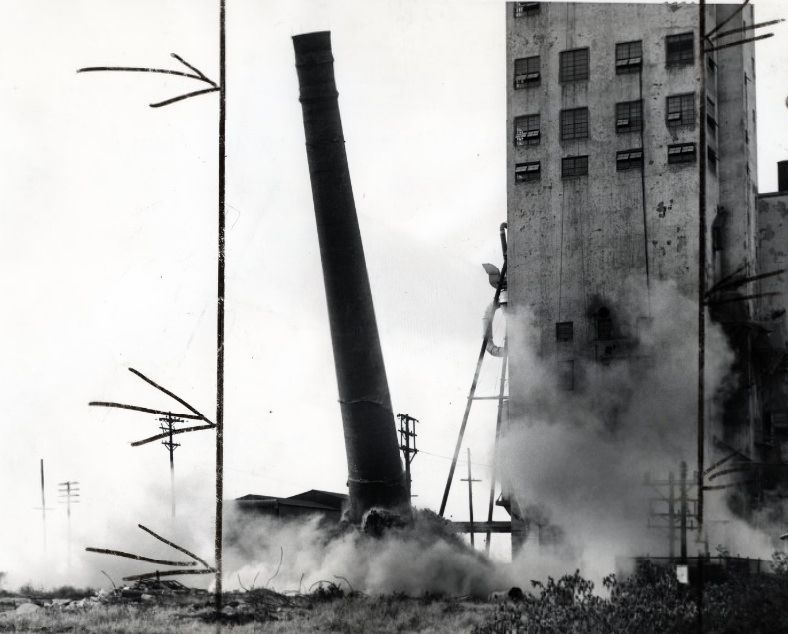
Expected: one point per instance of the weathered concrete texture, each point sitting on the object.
(574, 242)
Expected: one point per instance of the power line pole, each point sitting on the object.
(406, 432)
(70, 491)
(167, 426)
(470, 482)
(44, 508)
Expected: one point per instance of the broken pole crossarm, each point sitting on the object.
(737, 469)
(168, 573)
(726, 486)
(175, 546)
(739, 42)
(183, 430)
(717, 302)
(720, 462)
(169, 393)
(137, 408)
(738, 10)
(728, 284)
(118, 553)
(748, 27)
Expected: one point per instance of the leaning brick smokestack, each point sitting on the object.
(375, 476)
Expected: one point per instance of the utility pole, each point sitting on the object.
(167, 423)
(671, 516)
(406, 432)
(44, 508)
(470, 482)
(70, 491)
(683, 506)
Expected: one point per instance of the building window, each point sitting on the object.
(629, 57)
(629, 116)
(629, 160)
(604, 324)
(574, 123)
(680, 49)
(711, 114)
(526, 130)
(681, 153)
(574, 166)
(564, 331)
(711, 157)
(680, 110)
(574, 65)
(526, 72)
(716, 239)
(712, 65)
(566, 374)
(526, 172)
(522, 9)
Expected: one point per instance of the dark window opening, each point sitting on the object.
(522, 9)
(629, 57)
(567, 375)
(573, 65)
(711, 160)
(564, 331)
(604, 324)
(680, 110)
(629, 116)
(526, 172)
(574, 124)
(711, 114)
(629, 160)
(574, 166)
(527, 130)
(681, 153)
(526, 72)
(679, 49)
(716, 239)
(712, 65)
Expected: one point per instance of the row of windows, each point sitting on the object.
(572, 166)
(574, 65)
(679, 111)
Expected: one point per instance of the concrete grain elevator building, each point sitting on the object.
(603, 127)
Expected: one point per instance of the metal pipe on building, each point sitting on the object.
(375, 475)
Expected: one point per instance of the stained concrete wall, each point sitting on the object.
(573, 243)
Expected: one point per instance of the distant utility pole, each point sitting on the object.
(44, 508)
(407, 430)
(470, 482)
(166, 427)
(677, 512)
(70, 491)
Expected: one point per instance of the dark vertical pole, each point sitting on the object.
(172, 465)
(683, 511)
(470, 494)
(671, 516)
(701, 290)
(407, 454)
(43, 507)
(220, 306)
(498, 422)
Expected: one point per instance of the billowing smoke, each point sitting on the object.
(420, 557)
(576, 460)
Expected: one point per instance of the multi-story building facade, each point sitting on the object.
(603, 123)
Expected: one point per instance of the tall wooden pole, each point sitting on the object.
(220, 306)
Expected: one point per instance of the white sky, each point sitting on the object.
(109, 242)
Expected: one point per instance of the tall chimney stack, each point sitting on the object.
(375, 475)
